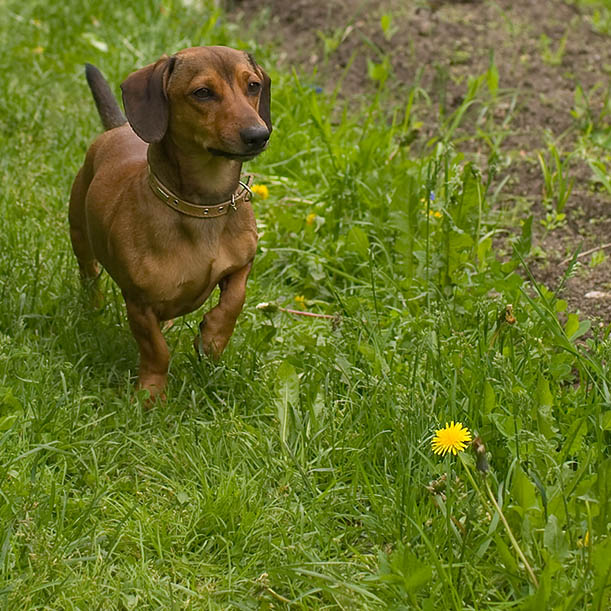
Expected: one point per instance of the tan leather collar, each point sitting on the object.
(197, 210)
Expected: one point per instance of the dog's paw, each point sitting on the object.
(209, 343)
(151, 388)
(147, 399)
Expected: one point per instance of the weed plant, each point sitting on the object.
(297, 472)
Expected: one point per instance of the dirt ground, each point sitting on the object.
(455, 38)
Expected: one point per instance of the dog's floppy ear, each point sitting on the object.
(146, 101)
(266, 99)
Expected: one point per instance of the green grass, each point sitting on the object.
(297, 472)
(598, 13)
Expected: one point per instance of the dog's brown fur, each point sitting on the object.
(189, 114)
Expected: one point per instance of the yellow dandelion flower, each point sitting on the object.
(453, 438)
(38, 50)
(310, 218)
(300, 301)
(260, 190)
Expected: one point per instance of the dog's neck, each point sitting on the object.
(200, 178)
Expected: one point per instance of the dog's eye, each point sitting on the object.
(203, 93)
(254, 87)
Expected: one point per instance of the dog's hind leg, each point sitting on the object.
(88, 266)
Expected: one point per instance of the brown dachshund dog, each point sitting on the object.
(159, 201)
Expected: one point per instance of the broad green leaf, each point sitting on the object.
(8, 401)
(601, 173)
(316, 411)
(537, 601)
(603, 484)
(571, 325)
(560, 366)
(403, 567)
(367, 351)
(543, 395)
(379, 72)
(357, 241)
(505, 555)
(601, 561)
(574, 328)
(560, 305)
(574, 437)
(182, 497)
(419, 576)
(483, 249)
(7, 422)
(506, 424)
(460, 242)
(554, 539)
(544, 401)
(524, 491)
(584, 327)
(288, 397)
(388, 29)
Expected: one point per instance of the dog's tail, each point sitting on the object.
(109, 110)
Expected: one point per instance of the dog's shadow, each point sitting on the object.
(95, 340)
(96, 352)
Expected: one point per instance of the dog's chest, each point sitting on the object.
(187, 273)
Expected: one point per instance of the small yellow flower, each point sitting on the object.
(585, 542)
(310, 218)
(300, 301)
(38, 50)
(432, 213)
(454, 438)
(260, 190)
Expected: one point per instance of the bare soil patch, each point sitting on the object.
(543, 51)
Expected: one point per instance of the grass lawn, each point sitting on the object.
(297, 472)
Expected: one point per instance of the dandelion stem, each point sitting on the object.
(277, 596)
(513, 540)
(311, 314)
(272, 307)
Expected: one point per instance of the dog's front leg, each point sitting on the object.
(218, 324)
(154, 353)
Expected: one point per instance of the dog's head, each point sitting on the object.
(211, 98)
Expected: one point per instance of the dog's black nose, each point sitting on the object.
(255, 137)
